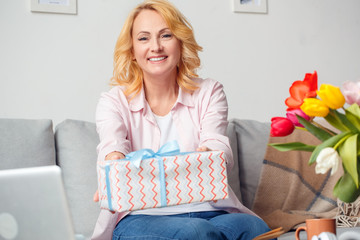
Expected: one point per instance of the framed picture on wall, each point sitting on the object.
(250, 6)
(54, 6)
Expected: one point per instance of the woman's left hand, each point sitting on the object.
(203, 149)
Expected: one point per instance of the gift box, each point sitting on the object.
(145, 179)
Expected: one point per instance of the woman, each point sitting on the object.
(158, 98)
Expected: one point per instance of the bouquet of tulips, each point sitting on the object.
(339, 145)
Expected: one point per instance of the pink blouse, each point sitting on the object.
(126, 126)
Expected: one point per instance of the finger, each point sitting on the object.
(96, 196)
(201, 149)
(115, 157)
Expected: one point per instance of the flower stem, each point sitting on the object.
(301, 128)
(322, 127)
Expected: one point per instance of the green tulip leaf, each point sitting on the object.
(353, 118)
(354, 109)
(283, 147)
(320, 133)
(345, 189)
(335, 121)
(331, 142)
(346, 121)
(348, 154)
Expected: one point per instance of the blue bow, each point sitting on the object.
(168, 149)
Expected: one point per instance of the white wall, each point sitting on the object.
(55, 66)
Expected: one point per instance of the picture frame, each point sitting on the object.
(54, 6)
(250, 6)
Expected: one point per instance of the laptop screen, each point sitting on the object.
(33, 204)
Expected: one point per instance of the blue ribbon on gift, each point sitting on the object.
(168, 149)
(108, 190)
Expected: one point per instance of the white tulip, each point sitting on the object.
(327, 158)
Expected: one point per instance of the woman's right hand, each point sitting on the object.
(110, 156)
(114, 156)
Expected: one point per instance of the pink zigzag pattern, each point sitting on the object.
(99, 184)
(129, 192)
(178, 182)
(211, 175)
(117, 185)
(189, 180)
(201, 179)
(152, 181)
(166, 183)
(222, 173)
(142, 188)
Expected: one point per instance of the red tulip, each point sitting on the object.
(300, 90)
(281, 127)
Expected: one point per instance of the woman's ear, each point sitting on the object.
(133, 55)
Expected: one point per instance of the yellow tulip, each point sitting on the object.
(314, 107)
(331, 96)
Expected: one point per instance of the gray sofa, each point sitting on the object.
(72, 146)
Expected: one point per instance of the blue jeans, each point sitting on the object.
(197, 225)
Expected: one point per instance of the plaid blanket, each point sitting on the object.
(289, 190)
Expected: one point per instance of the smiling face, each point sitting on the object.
(155, 48)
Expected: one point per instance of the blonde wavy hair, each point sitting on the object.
(128, 73)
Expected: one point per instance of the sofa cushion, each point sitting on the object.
(233, 174)
(26, 143)
(252, 138)
(76, 143)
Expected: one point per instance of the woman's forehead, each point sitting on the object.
(149, 21)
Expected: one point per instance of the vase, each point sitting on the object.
(348, 214)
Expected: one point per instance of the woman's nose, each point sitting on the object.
(156, 45)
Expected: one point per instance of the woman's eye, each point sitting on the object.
(142, 38)
(167, 35)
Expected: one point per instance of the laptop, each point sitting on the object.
(33, 205)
